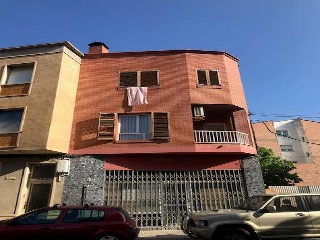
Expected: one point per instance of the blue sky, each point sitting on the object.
(277, 41)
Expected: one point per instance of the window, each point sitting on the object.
(43, 171)
(139, 79)
(283, 133)
(19, 74)
(208, 77)
(10, 121)
(314, 202)
(16, 79)
(287, 204)
(286, 148)
(134, 127)
(80, 215)
(41, 217)
(148, 126)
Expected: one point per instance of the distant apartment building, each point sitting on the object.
(37, 97)
(295, 140)
(161, 133)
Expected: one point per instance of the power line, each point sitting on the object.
(282, 115)
(289, 136)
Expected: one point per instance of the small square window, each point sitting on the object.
(19, 74)
(10, 121)
(283, 133)
(149, 78)
(139, 79)
(286, 148)
(128, 79)
(208, 77)
(16, 79)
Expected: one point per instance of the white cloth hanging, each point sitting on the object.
(137, 95)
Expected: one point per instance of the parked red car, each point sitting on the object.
(71, 222)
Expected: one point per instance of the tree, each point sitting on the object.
(275, 170)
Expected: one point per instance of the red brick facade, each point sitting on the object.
(265, 137)
(309, 172)
(99, 91)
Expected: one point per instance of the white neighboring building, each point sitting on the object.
(292, 141)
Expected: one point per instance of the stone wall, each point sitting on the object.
(253, 176)
(85, 183)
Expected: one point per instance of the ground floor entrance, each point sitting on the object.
(158, 199)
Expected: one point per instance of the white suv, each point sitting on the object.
(259, 217)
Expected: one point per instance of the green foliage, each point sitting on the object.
(275, 170)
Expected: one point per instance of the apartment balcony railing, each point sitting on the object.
(203, 136)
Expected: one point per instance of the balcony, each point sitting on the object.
(204, 136)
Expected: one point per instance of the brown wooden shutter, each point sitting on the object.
(202, 78)
(106, 126)
(149, 78)
(160, 125)
(214, 78)
(128, 79)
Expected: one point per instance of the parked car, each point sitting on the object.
(71, 222)
(259, 217)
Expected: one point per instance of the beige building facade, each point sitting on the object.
(296, 140)
(37, 99)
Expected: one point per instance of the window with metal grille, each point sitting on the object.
(208, 77)
(139, 79)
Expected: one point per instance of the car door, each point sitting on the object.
(287, 220)
(79, 224)
(36, 225)
(313, 202)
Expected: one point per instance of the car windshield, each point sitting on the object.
(253, 203)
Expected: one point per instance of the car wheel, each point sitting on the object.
(234, 234)
(109, 237)
(184, 224)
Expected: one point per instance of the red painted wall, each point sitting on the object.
(181, 162)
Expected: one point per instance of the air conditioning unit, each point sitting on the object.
(198, 113)
(63, 166)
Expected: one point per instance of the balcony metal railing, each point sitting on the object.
(203, 136)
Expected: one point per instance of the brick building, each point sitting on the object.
(295, 140)
(161, 133)
(37, 97)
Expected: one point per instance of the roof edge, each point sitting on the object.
(62, 43)
(162, 52)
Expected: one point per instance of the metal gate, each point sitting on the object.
(158, 199)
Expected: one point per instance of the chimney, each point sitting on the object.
(98, 47)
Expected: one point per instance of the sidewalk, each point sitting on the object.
(162, 234)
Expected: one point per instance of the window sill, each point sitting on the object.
(209, 86)
(133, 141)
(149, 87)
(18, 95)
